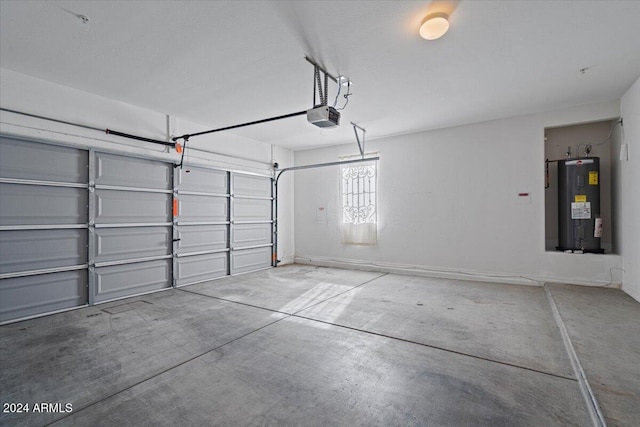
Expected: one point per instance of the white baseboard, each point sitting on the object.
(287, 260)
(633, 293)
(426, 271)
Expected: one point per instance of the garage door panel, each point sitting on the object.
(138, 194)
(247, 185)
(198, 238)
(204, 181)
(203, 208)
(25, 250)
(252, 213)
(32, 295)
(34, 204)
(250, 259)
(126, 171)
(130, 243)
(130, 279)
(251, 234)
(199, 268)
(118, 207)
(251, 210)
(42, 162)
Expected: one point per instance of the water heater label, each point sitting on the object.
(580, 198)
(581, 210)
(578, 162)
(593, 177)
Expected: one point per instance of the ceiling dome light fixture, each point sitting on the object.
(434, 26)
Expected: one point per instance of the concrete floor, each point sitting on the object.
(302, 345)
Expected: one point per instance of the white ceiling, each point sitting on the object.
(220, 63)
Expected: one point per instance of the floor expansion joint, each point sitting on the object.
(590, 399)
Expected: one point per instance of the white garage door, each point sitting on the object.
(130, 230)
(82, 227)
(43, 228)
(202, 225)
(223, 224)
(251, 223)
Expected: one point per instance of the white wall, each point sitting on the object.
(630, 192)
(449, 205)
(286, 220)
(39, 97)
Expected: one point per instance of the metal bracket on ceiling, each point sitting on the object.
(322, 90)
(364, 131)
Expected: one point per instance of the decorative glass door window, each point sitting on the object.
(359, 199)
